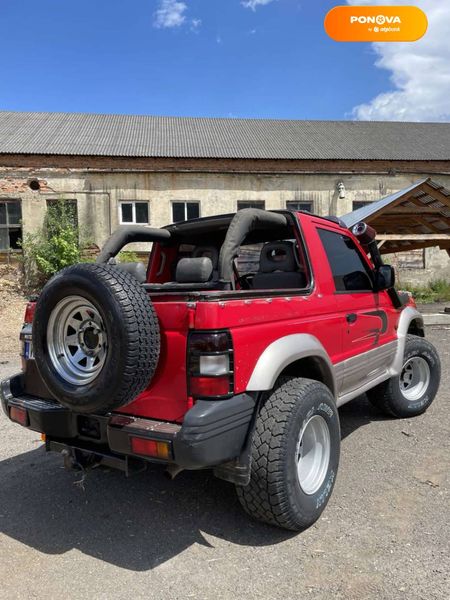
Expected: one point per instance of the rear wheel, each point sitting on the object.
(412, 391)
(295, 455)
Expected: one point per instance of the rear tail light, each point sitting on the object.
(204, 387)
(153, 448)
(210, 364)
(29, 312)
(19, 415)
(26, 336)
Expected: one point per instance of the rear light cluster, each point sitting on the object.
(154, 448)
(29, 312)
(26, 336)
(19, 415)
(210, 365)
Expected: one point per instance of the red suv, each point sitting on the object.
(233, 350)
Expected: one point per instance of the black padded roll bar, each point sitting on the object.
(127, 234)
(244, 221)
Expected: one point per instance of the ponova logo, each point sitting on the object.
(376, 24)
(379, 20)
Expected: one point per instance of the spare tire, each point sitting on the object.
(96, 337)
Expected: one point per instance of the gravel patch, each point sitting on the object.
(12, 309)
(384, 535)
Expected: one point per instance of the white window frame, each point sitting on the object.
(185, 202)
(133, 210)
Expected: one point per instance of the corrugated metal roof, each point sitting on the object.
(365, 212)
(180, 137)
(413, 218)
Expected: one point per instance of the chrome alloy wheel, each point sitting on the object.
(77, 340)
(415, 378)
(313, 454)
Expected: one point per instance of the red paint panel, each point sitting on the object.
(254, 324)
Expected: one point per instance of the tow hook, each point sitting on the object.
(73, 461)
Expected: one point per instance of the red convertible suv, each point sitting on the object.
(233, 351)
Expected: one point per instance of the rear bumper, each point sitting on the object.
(213, 432)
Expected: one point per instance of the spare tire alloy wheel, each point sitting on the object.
(77, 340)
(96, 338)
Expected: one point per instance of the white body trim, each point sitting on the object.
(287, 350)
(283, 352)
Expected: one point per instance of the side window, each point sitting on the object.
(250, 204)
(132, 212)
(305, 206)
(357, 204)
(350, 272)
(183, 211)
(64, 209)
(10, 225)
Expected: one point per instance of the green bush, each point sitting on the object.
(436, 291)
(58, 244)
(127, 256)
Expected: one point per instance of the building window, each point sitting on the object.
(64, 210)
(305, 206)
(134, 213)
(359, 204)
(251, 204)
(183, 211)
(10, 225)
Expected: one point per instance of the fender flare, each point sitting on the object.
(285, 351)
(408, 315)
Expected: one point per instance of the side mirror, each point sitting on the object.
(384, 278)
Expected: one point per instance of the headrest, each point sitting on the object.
(208, 251)
(277, 256)
(194, 270)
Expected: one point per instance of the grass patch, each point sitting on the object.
(126, 256)
(436, 291)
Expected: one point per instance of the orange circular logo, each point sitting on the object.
(376, 23)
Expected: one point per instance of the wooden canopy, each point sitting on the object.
(414, 218)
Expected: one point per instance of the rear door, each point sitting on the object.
(368, 318)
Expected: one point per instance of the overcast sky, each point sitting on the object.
(226, 58)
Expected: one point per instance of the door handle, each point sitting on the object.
(351, 317)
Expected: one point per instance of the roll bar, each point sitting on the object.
(243, 222)
(127, 234)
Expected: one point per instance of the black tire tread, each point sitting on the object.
(265, 498)
(140, 323)
(383, 395)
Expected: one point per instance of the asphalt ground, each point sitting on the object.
(385, 533)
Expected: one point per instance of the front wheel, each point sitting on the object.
(295, 455)
(412, 391)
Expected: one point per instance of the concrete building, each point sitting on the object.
(155, 170)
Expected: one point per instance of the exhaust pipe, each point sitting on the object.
(172, 471)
